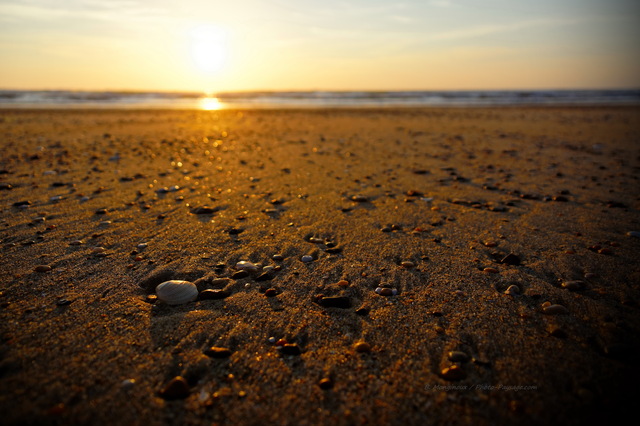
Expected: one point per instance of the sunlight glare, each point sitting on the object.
(209, 48)
(210, 104)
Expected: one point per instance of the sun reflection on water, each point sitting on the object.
(210, 104)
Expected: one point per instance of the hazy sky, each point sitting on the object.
(221, 45)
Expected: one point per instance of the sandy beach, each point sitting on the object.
(406, 266)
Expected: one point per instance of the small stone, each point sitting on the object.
(512, 290)
(277, 257)
(203, 210)
(362, 347)
(271, 292)
(76, 243)
(22, 203)
(272, 340)
(217, 352)
(635, 234)
(453, 373)
(407, 264)
(290, 349)
(490, 270)
(360, 198)
(325, 383)
(307, 258)
(128, 384)
(42, 268)
(142, 246)
(247, 266)
(385, 291)
(213, 294)
(342, 302)
(511, 259)
(554, 310)
(363, 310)
(343, 283)
(266, 276)
(458, 356)
(239, 275)
(573, 285)
(101, 211)
(63, 302)
(177, 388)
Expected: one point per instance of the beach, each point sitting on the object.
(401, 265)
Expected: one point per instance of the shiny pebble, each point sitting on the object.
(42, 268)
(512, 290)
(555, 310)
(307, 258)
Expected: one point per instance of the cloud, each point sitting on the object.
(483, 30)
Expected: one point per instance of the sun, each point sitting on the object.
(209, 48)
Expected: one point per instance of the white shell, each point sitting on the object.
(247, 266)
(176, 292)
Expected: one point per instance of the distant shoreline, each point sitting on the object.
(39, 99)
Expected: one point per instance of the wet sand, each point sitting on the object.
(409, 311)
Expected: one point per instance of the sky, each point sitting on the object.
(236, 45)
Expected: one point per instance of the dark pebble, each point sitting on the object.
(213, 294)
(560, 198)
(364, 310)
(325, 384)
(5, 186)
(265, 276)
(177, 388)
(511, 259)
(333, 250)
(453, 373)
(335, 302)
(203, 210)
(235, 231)
(101, 211)
(217, 352)
(290, 349)
(271, 292)
(22, 203)
(42, 268)
(239, 275)
(63, 302)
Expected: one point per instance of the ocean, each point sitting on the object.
(311, 99)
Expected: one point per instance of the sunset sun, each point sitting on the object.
(209, 48)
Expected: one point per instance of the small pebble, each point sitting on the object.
(360, 198)
(277, 257)
(177, 388)
(271, 292)
(363, 310)
(203, 210)
(635, 234)
(453, 373)
(213, 294)
(307, 258)
(407, 264)
(290, 349)
(490, 270)
(76, 243)
(101, 211)
(573, 285)
(128, 384)
(362, 347)
(554, 310)
(342, 302)
(42, 268)
(512, 290)
(239, 275)
(385, 291)
(511, 259)
(325, 383)
(272, 340)
(247, 266)
(217, 352)
(142, 246)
